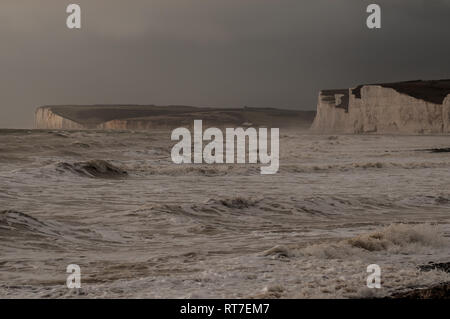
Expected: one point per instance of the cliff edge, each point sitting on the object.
(414, 107)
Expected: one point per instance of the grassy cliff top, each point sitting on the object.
(434, 91)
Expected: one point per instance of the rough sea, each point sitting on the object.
(140, 226)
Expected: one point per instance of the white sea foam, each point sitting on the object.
(396, 238)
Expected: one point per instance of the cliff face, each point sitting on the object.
(330, 117)
(446, 114)
(145, 117)
(45, 118)
(417, 107)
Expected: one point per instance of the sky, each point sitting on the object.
(218, 53)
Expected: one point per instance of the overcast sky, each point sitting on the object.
(227, 53)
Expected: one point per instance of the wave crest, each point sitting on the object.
(14, 222)
(92, 169)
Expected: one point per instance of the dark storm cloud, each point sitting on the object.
(211, 52)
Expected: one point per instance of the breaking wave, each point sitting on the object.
(396, 238)
(92, 169)
(255, 169)
(317, 207)
(15, 223)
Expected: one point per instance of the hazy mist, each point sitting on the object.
(226, 53)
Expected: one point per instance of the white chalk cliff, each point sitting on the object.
(45, 118)
(415, 107)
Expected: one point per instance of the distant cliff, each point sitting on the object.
(145, 117)
(45, 118)
(415, 107)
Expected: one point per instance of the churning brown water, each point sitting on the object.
(140, 226)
